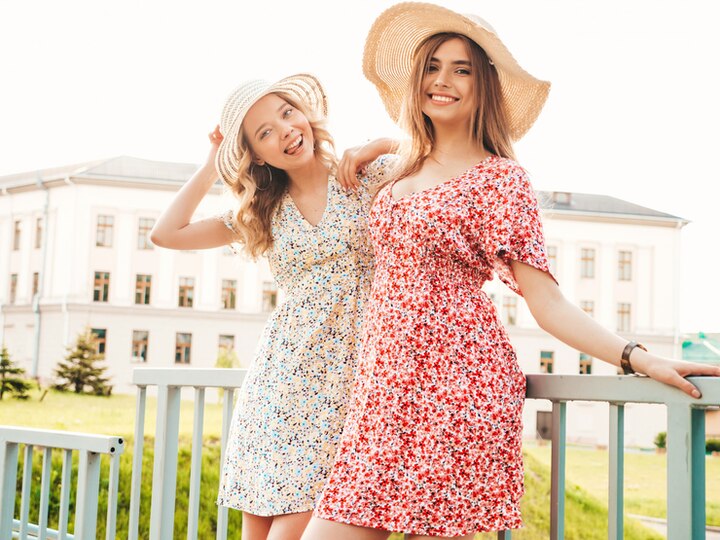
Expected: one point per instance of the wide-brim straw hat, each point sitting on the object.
(303, 88)
(396, 34)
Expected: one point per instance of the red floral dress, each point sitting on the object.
(432, 442)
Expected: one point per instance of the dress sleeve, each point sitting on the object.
(511, 228)
(228, 219)
(378, 171)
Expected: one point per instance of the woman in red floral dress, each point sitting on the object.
(432, 443)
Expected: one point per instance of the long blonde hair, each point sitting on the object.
(489, 127)
(259, 189)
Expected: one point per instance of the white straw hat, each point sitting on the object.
(304, 88)
(398, 31)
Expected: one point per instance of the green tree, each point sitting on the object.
(12, 378)
(79, 371)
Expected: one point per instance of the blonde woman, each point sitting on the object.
(432, 441)
(273, 152)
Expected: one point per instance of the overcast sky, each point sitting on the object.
(633, 111)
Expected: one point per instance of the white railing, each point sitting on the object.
(90, 449)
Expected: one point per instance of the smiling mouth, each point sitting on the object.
(443, 99)
(295, 146)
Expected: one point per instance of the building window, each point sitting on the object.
(140, 341)
(35, 283)
(510, 310)
(185, 292)
(13, 288)
(38, 232)
(587, 263)
(547, 359)
(585, 364)
(269, 297)
(552, 259)
(100, 339)
(145, 225)
(588, 306)
(101, 287)
(229, 287)
(104, 235)
(17, 232)
(624, 265)
(183, 344)
(623, 317)
(142, 288)
(226, 342)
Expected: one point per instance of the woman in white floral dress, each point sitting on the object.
(272, 151)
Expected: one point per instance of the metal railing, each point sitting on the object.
(685, 454)
(685, 444)
(90, 449)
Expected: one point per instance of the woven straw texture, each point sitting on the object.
(302, 87)
(396, 34)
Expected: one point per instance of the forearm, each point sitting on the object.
(178, 215)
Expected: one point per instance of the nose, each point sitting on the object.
(440, 78)
(287, 131)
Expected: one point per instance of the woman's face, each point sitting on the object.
(279, 134)
(448, 86)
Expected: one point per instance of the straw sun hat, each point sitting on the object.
(396, 34)
(303, 88)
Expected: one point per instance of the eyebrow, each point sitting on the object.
(455, 63)
(265, 123)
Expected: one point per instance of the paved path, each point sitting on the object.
(660, 525)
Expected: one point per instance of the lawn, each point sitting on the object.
(645, 478)
(586, 512)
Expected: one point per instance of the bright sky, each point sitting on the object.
(633, 111)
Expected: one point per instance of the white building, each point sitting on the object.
(74, 253)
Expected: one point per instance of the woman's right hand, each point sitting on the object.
(356, 158)
(215, 138)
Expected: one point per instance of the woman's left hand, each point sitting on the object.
(355, 159)
(673, 372)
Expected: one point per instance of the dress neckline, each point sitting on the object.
(436, 186)
(303, 219)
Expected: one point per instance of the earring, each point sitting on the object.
(267, 183)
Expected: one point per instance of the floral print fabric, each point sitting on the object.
(291, 408)
(432, 441)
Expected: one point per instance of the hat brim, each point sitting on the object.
(302, 87)
(396, 34)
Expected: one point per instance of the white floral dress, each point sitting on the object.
(291, 408)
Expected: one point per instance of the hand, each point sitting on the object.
(355, 160)
(215, 138)
(673, 372)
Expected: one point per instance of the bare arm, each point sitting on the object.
(357, 157)
(572, 326)
(173, 228)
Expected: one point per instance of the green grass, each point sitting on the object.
(586, 512)
(645, 478)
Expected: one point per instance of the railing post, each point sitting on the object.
(557, 482)
(44, 493)
(222, 519)
(8, 478)
(138, 448)
(196, 464)
(616, 472)
(686, 472)
(26, 483)
(162, 512)
(65, 494)
(87, 495)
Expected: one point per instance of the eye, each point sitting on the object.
(463, 71)
(432, 68)
(287, 112)
(264, 134)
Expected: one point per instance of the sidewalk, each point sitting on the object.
(660, 525)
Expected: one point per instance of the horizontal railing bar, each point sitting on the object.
(34, 530)
(100, 444)
(619, 389)
(205, 377)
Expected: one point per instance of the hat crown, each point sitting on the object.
(239, 101)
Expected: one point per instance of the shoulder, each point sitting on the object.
(504, 175)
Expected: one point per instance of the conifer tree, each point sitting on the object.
(79, 371)
(12, 378)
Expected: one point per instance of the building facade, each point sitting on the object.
(75, 253)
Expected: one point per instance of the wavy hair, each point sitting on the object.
(259, 190)
(489, 128)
